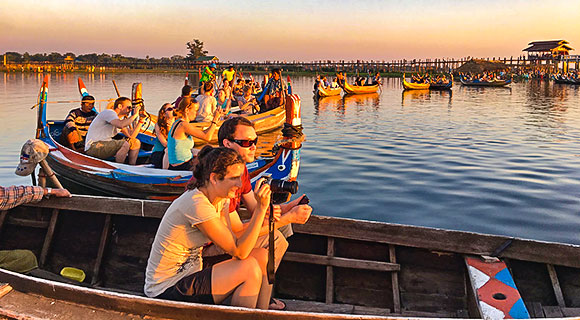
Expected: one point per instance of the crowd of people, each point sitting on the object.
(96, 134)
(203, 251)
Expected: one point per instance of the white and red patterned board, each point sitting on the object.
(496, 292)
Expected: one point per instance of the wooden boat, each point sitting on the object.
(478, 83)
(348, 89)
(414, 86)
(328, 92)
(77, 170)
(425, 86)
(335, 268)
(442, 86)
(565, 80)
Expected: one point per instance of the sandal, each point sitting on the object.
(277, 304)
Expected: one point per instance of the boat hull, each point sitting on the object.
(333, 265)
(348, 89)
(328, 92)
(495, 83)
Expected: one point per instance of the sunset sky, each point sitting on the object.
(289, 30)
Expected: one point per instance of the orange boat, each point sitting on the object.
(328, 92)
(348, 89)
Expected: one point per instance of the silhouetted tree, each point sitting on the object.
(195, 49)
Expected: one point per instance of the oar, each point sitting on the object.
(116, 89)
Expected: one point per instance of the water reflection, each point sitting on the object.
(411, 97)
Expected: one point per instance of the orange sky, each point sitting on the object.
(297, 30)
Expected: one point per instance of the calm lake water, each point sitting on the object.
(492, 160)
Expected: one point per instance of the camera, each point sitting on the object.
(278, 186)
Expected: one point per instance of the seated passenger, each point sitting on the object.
(207, 103)
(100, 143)
(223, 103)
(275, 92)
(77, 124)
(186, 91)
(165, 119)
(180, 143)
(175, 268)
(247, 102)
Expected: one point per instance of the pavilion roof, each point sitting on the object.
(540, 46)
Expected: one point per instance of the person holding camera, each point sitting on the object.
(107, 124)
(175, 268)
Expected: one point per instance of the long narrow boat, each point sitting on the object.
(328, 92)
(348, 89)
(335, 268)
(442, 86)
(565, 80)
(478, 83)
(414, 86)
(77, 170)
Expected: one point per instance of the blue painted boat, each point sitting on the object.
(479, 83)
(102, 177)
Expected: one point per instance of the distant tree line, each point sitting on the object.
(92, 58)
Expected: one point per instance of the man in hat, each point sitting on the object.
(77, 124)
(207, 75)
(100, 143)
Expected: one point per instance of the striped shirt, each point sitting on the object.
(13, 196)
(81, 120)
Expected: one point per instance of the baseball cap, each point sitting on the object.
(33, 151)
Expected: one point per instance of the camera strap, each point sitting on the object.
(271, 227)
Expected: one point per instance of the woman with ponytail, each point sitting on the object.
(200, 216)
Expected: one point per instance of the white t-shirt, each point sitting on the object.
(207, 107)
(176, 250)
(101, 128)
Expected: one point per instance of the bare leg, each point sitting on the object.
(134, 151)
(121, 154)
(165, 164)
(239, 278)
(261, 255)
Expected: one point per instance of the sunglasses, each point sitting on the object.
(169, 109)
(246, 143)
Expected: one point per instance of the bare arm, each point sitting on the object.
(224, 238)
(125, 122)
(206, 134)
(160, 137)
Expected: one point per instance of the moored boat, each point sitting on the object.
(105, 177)
(328, 92)
(479, 83)
(348, 89)
(334, 268)
(413, 85)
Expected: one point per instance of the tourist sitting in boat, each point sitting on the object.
(107, 124)
(248, 103)
(275, 95)
(223, 101)
(180, 139)
(207, 103)
(186, 91)
(341, 78)
(377, 79)
(334, 83)
(238, 89)
(200, 216)
(359, 81)
(76, 124)
(316, 83)
(165, 120)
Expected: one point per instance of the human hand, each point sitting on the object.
(61, 193)
(277, 212)
(217, 114)
(262, 193)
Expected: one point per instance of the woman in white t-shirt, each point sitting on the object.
(200, 216)
(207, 104)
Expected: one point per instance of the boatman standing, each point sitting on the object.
(207, 75)
(229, 73)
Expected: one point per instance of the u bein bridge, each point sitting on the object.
(542, 56)
(522, 63)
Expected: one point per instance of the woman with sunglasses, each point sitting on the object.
(176, 268)
(180, 139)
(165, 120)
